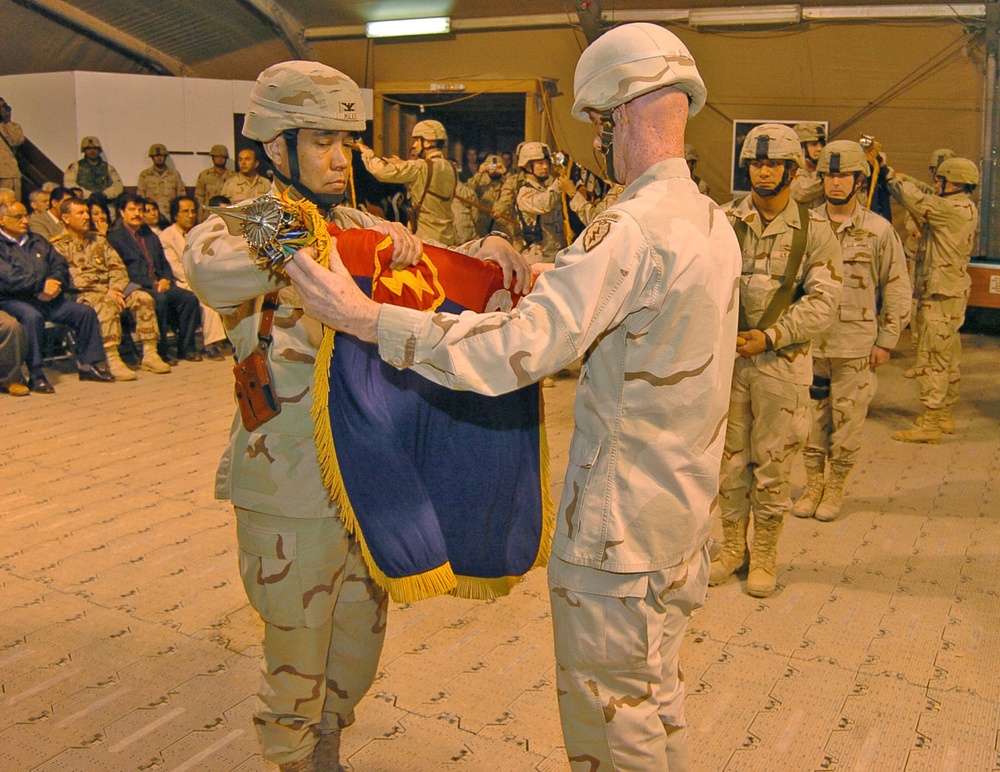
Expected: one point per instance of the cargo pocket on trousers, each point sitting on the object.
(270, 574)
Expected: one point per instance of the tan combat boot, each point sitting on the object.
(116, 366)
(946, 424)
(734, 551)
(326, 756)
(805, 505)
(910, 372)
(928, 431)
(151, 359)
(763, 557)
(833, 493)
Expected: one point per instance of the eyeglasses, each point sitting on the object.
(16, 216)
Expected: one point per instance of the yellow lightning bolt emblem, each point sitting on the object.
(421, 279)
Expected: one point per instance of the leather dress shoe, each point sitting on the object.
(214, 352)
(191, 356)
(95, 373)
(169, 358)
(37, 382)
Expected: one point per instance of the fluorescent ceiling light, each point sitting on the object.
(399, 28)
(758, 15)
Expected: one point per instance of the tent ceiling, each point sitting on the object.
(175, 36)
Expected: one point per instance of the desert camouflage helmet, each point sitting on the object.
(960, 171)
(810, 132)
(430, 130)
(631, 60)
(158, 148)
(219, 150)
(690, 154)
(493, 160)
(841, 157)
(532, 151)
(89, 142)
(302, 95)
(773, 141)
(940, 155)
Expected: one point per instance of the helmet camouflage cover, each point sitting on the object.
(631, 60)
(960, 171)
(843, 156)
(302, 95)
(219, 150)
(532, 151)
(940, 155)
(430, 130)
(158, 148)
(87, 142)
(772, 141)
(810, 132)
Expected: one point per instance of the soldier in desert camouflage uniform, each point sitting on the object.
(768, 410)
(102, 281)
(947, 219)
(873, 309)
(429, 177)
(324, 616)
(807, 187)
(159, 182)
(691, 156)
(538, 204)
(630, 559)
(211, 180)
(92, 174)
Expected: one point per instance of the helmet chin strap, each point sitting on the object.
(770, 193)
(607, 144)
(322, 200)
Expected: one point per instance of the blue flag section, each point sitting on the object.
(447, 491)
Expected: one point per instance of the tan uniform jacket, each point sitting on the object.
(948, 229)
(537, 201)
(210, 183)
(820, 282)
(653, 393)
(160, 187)
(435, 220)
(807, 188)
(239, 187)
(875, 303)
(94, 265)
(70, 180)
(587, 210)
(14, 137)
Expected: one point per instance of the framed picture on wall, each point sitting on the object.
(740, 179)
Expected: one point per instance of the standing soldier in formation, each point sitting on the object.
(539, 204)
(947, 219)
(691, 156)
(807, 187)
(873, 310)
(211, 180)
(159, 182)
(488, 184)
(789, 291)
(11, 137)
(100, 277)
(429, 177)
(92, 174)
(586, 208)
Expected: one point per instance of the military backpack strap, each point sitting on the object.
(454, 185)
(414, 213)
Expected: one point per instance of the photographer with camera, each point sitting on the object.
(13, 137)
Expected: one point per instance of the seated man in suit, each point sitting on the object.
(33, 283)
(147, 266)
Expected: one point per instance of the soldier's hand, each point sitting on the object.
(754, 341)
(517, 274)
(332, 296)
(118, 298)
(566, 185)
(878, 357)
(407, 249)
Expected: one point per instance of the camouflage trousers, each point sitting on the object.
(324, 625)
(939, 349)
(768, 423)
(617, 643)
(141, 305)
(838, 418)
